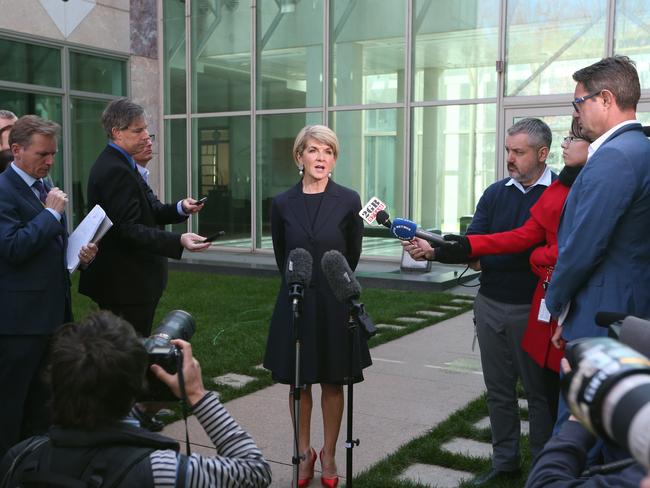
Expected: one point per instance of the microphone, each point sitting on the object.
(605, 319)
(298, 273)
(407, 229)
(382, 219)
(635, 332)
(345, 287)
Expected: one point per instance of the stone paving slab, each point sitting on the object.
(468, 447)
(484, 423)
(390, 326)
(233, 379)
(462, 301)
(451, 308)
(434, 476)
(430, 313)
(411, 320)
(523, 403)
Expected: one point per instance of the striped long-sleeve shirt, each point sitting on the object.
(237, 463)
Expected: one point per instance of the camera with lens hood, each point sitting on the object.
(608, 388)
(177, 324)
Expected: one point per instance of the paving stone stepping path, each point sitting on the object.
(432, 475)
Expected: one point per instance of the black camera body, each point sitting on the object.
(177, 324)
(608, 388)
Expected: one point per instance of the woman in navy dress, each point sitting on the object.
(317, 215)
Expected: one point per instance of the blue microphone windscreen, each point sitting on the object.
(403, 229)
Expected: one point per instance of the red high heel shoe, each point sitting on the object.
(327, 482)
(304, 482)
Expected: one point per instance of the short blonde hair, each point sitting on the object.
(320, 133)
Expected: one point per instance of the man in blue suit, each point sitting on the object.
(604, 238)
(34, 283)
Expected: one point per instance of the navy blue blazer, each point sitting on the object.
(604, 237)
(35, 284)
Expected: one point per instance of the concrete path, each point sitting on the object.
(415, 382)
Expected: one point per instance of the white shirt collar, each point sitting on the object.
(144, 172)
(545, 180)
(593, 147)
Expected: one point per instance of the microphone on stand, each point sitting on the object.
(298, 273)
(345, 287)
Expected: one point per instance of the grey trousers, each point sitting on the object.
(500, 328)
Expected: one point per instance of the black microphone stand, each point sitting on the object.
(295, 295)
(358, 316)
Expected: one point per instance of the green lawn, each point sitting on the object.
(232, 314)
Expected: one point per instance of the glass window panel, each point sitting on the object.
(221, 67)
(456, 45)
(176, 164)
(45, 106)
(372, 152)
(275, 167)
(97, 74)
(547, 41)
(221, 168)
(174, 56)
(21, 62)
(632, 35)
(367, 50)
(87, 140)
(454, 160)
(290, 45)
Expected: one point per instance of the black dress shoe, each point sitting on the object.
(494, 475)
(152, 424)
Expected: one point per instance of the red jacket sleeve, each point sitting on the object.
(516, 240)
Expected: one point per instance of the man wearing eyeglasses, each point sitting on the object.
(604, 237)
(130, 273)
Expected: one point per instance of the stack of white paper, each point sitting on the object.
(91, 229)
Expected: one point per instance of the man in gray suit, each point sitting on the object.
(604, 238)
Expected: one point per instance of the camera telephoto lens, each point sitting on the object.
(608, 390)
(177, 324)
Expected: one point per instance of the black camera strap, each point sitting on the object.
(184, 401)
(608, 468)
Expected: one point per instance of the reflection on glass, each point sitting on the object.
(454, 160)
(367, 50)
(275, 167)
(21, 62)
(221, 171)
(97, 74)
(175, 166)
(45, 106)
(290, 47)
(455, 46)
(372, 152)
(548, 41)
(87, 141)
(221, 67)
(174, 56)
(632, 34)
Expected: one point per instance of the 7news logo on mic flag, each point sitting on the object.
(370, 209)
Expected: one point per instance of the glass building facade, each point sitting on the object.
(420, 93)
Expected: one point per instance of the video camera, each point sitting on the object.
(177, 324)
(608, 388)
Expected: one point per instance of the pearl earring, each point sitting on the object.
(301, 170)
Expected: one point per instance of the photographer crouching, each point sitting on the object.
(97, 369)
(607, 388)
